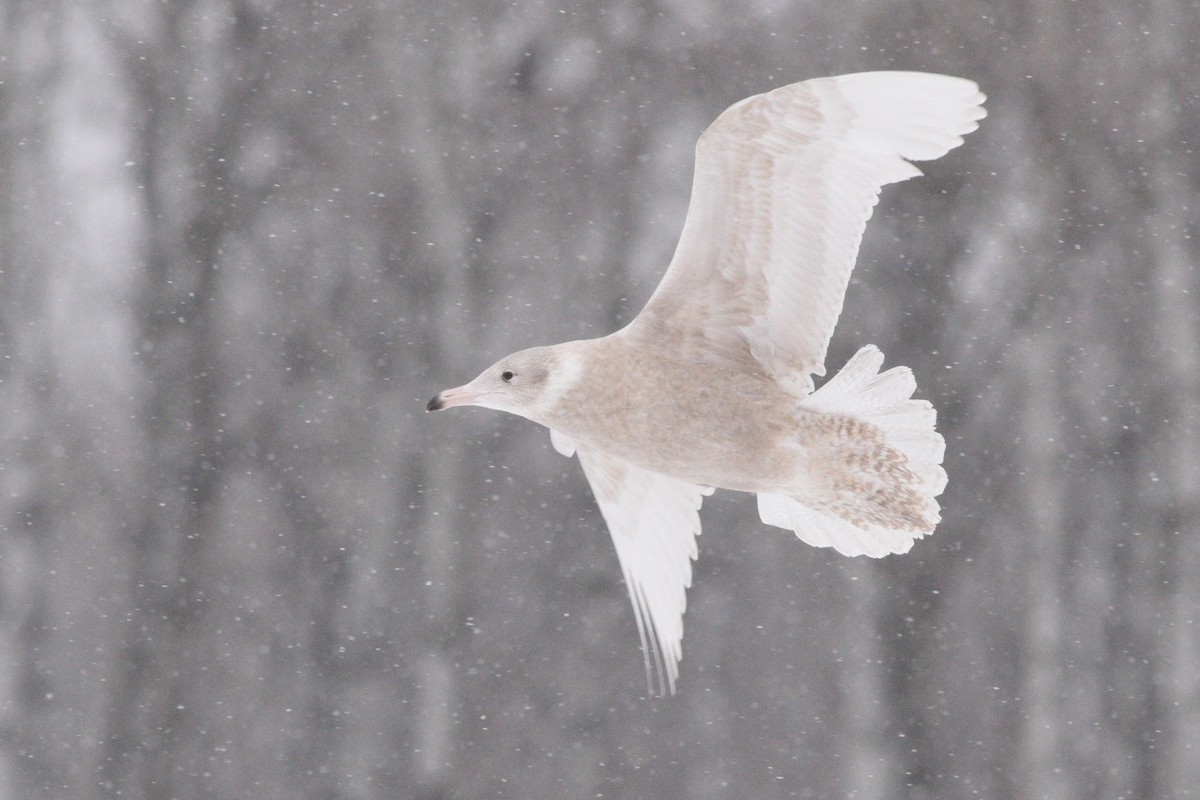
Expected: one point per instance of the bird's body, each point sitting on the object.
(623, 391)
(710, 386)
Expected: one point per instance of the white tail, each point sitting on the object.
(878, 471)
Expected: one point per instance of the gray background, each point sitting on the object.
(243, 242)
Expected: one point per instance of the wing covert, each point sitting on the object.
(784, 185)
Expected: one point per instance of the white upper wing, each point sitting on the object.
(654, 521)
(784, 185)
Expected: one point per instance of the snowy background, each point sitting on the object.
(242, 242)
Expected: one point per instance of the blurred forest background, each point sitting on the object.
(243, 241)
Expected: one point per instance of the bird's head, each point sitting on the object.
(526, 383)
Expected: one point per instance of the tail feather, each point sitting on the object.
(860, 389)
(824, 530)
(877, 475)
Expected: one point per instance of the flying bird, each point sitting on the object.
(711, 385)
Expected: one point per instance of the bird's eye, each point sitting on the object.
(507, 376)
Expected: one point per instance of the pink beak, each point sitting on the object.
(460, 396)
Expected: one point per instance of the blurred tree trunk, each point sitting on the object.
(25, 449)
(1042, 754)
(434, 751)
(872, 765)
(189, 130)
(67, 243)
(445, 472)
(1176, 475)
(1173, 239)
(150, 719)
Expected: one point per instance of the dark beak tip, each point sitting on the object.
(435, 404)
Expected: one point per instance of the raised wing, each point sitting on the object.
(784, 185)
(654, 522)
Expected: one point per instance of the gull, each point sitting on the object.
(711, 385)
